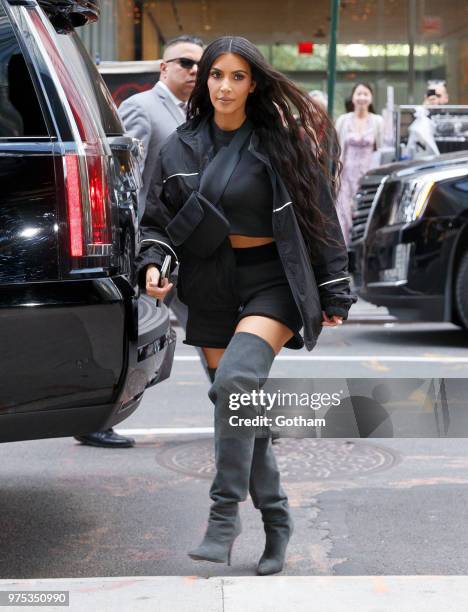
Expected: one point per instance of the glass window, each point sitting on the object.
(89, 82)
(20, 112)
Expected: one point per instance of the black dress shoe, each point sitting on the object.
(107, 438)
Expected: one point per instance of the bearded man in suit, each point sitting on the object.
(152, 116)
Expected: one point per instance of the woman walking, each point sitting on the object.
(245, 206)
(360, 133)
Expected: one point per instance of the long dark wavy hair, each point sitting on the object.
(300, 147)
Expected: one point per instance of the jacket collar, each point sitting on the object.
(194, 136)
(255, 148)
(197, 139)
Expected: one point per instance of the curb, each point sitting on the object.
(373, 319)
(250, 594)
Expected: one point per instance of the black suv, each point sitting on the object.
(409, 241)
(78, 345)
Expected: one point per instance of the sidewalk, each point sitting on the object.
(365, 312)
(255, 594)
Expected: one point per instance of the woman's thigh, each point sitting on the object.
(270, 330)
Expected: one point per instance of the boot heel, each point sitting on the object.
(216, 545)
(212, 553)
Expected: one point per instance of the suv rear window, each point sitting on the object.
(89, 81)
(20, 112)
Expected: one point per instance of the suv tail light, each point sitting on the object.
(75, 213)
(85, 169)
(98, 197)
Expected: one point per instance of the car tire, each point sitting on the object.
(461, 291)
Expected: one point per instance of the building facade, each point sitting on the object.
(398, 43)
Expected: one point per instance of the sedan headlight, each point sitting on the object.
(416, 193)
(413, 200)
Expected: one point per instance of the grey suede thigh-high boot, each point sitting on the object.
(268, 496)
(247, 359)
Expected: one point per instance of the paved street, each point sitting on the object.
(361, 507)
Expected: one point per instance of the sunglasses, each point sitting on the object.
(184, 62)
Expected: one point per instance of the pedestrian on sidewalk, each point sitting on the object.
(247, 206)
(360, 134)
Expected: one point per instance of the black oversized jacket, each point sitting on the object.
(208, 284)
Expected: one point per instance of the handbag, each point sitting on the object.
(200, 225)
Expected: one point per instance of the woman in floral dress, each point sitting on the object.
(360, 134)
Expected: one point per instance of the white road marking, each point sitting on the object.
(163, 431)
(358, 358)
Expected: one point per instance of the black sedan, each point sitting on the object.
(409, 243)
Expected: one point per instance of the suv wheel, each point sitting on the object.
(461, 290)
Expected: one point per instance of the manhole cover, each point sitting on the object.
(299, 459)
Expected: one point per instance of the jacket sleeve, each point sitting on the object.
(154, 241)
(330, 263)
(137, 124)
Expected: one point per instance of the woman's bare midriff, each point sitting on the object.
(244, 242)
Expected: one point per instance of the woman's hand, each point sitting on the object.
(331, 321)
(152, 284)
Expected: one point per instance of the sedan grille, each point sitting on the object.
(363, 200)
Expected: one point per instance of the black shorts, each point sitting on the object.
(263, 290)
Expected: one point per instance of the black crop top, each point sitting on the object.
(247, 201)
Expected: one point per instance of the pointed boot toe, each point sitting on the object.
(277, 539)
(272, 560)
(272, 565)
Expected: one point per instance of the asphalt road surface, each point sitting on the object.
(361, 507)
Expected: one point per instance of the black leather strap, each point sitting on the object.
(218, 172)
